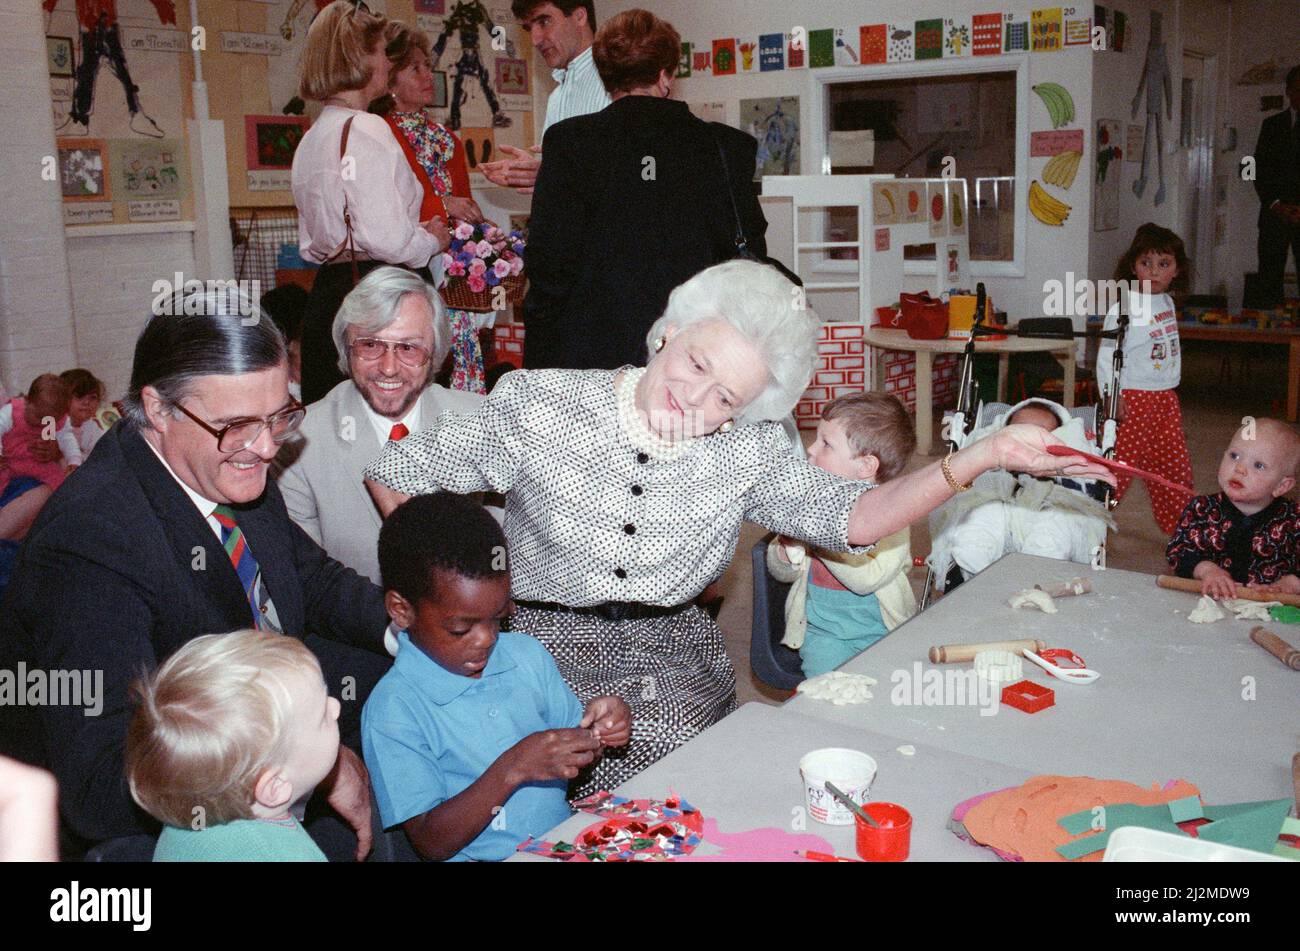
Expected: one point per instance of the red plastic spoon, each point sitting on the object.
(1123, 467)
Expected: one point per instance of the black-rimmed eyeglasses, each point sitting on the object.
(242, 433)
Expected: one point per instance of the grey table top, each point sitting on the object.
(1175, 700)
(744, 772)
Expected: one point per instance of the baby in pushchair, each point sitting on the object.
(1008, 512)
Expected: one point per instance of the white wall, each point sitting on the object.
(36, 332)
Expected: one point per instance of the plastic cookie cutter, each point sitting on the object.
(1076, 673)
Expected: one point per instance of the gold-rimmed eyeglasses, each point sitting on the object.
(238, 435)
(372, 348)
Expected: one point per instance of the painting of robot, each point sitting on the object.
(774, 122)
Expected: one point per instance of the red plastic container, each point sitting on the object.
(892, 842)
(924, 317)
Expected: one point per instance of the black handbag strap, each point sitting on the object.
(742, 244)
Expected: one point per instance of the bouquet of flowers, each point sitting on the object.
(481, 258)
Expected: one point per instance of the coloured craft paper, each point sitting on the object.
(748, 50)
(986, 34)
(1045, 30)
(684, 64)
(846, 53)
(796, 50)
(771, 52)
(874, 42)
(929, 39)
(821, 48)
(957, 206)
(956, 37)
(724, 57)
(902, 43)
(703, 60)
(1055, 141)
(1015, 32)
(913, 207)
(936, 208)
(885, 205)
(758, 845)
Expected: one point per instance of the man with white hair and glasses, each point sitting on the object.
(393, 335)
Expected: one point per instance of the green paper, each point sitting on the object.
(1255, 828)
(1290, 827)
(1285, 851)
(1183, 810)
(821, 48)
(1285, 613)
(1117, 816)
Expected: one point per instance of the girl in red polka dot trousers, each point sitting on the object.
(1150, 419)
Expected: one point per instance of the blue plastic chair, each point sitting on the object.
(773, 663)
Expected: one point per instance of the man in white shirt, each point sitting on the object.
(393, 335)
(562, 32)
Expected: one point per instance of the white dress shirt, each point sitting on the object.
(580, 91)
(383, 425)
(205, 505)
(383, 193)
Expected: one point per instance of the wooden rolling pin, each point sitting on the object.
(1244, 593)
(1066, 589)
(1276, 646)
(962, 653)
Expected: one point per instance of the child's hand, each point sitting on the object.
(1215, 582)
(610, 719)
(551, 754)
(1287, 584)
(46, 450)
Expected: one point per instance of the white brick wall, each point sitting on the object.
(36, 332)
(112, 281)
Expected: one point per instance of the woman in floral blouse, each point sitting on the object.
(437, 157)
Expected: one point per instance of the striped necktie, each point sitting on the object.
(241, 556)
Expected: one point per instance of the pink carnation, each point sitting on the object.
(501, 268)
(477, 268)
(484, 249)
(464, 231)
(477, 284)
(516, 267)
(455, 269)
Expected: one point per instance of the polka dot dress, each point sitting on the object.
(1151, 438)
(592, 517)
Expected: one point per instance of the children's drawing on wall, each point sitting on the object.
(152, 169)
(468, 19)
(1159, 88)
(774, 122)
(83, 170)
(1110, 165)
(99, 42)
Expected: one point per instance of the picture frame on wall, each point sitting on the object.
(59, 58)
(270, 141)
(83, 170)
(512, 76)
(439, 89)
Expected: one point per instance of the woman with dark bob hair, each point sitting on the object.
(632, 196)
(625, 490)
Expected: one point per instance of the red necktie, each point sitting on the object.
(399, 431)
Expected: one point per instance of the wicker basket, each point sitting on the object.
(457, 295)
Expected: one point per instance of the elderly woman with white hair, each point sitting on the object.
(625, 490)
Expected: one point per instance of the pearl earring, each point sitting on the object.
(727, 426)
(659, 343)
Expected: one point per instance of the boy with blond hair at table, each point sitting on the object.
(1248, 533)
(232, 734)
(841, 604)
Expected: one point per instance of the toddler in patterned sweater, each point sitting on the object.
(1248, 533)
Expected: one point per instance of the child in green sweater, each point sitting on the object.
(232, 733)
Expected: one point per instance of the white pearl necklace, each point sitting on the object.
(637, 432)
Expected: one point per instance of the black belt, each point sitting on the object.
(611, 610)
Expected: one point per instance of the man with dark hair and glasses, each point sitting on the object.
(172, 530)
(393, 335)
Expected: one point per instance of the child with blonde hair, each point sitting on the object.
(232, 734)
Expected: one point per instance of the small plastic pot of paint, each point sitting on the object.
(852, 773)
(892, 842)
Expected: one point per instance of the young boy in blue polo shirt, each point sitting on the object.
(472, 736)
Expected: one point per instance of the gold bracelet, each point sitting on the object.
(952, 481)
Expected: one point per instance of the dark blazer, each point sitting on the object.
(1277, 173)
(611, 234)
(119, 571)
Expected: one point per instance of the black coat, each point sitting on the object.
(629, 204)
(1277, 171)
(119, 571)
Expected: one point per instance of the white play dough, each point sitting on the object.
(907, 749)
(1033, 598)
(1206, 612)
(1247, 610)
(838, 687)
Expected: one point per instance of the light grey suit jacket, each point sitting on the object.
(322, 471)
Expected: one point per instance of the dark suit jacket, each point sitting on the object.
(611, 235)
(1277, 173)
(119, 571)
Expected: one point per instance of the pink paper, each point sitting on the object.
(758, 845)
(1055, 141)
